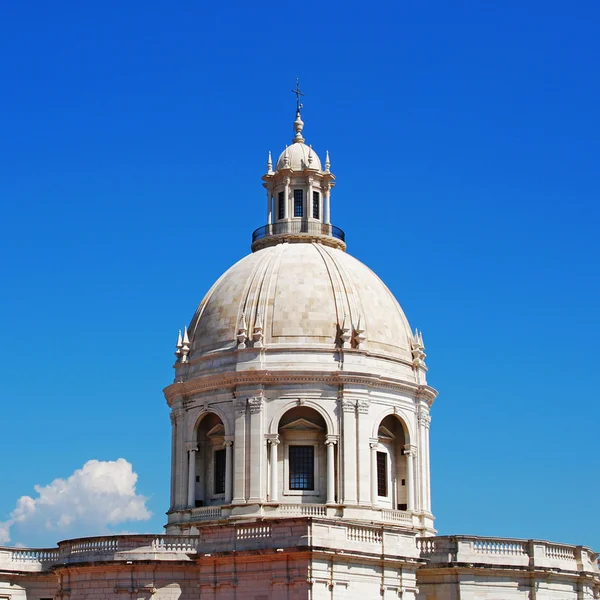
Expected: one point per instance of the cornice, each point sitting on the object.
(270, 378)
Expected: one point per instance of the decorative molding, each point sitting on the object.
(348, 405)
(191, 446)
(263, 377)
(410, 450)
(362, 406)
(240, 404)
(255, 404)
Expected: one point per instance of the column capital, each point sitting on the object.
(239, 405)
(191, 446)
(373, 442)
(331, 438)
(362, 406)
(347, 404)
(227, 443)
(255, 404)
(410, 450)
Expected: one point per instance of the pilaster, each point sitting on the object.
(239, 450)
(257, 449)
(349, 449)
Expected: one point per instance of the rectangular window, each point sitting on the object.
(381, 474)
(220, 472)
(316, 205)
(302, 467)
(281, 207)
(298, 203)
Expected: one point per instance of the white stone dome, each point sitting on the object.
(300, 294)
(298, 155)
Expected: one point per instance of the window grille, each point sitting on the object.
(298, 203)
(219, 471)
(316, 210)
(302, 467)
(381, 474)
(281, 208)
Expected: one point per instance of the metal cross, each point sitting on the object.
(298, 94)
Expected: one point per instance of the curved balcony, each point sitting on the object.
(298, 230)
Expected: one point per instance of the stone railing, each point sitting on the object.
(396, 516)
(206, 513)
(300, 510)
(458, 550)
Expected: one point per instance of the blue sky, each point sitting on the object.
(465, 141)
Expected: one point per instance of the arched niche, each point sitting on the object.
(302, 456)
(210, 460)
(391, 478)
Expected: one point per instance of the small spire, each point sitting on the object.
(241, 334)
(327, 161)
(269, 164)
(179, 345)
(185, 349)
(346, 335)
(310, 156)
(298, 126)
(360, 338)
(257, 334)
(286, 158)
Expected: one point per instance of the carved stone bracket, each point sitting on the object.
(410, 450)
(255, 404)
(239, 405)
(191, 446)
(348, 405)
(362, 406)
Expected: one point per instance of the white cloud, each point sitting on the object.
(99, 495)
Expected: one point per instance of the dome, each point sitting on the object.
(298, 154)
(300, 295)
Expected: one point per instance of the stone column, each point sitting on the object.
(257, 450)
(422, 464)
(239, 449)
(173, 456)
(286, 207)
(228, 470)
(364, 466)
(410, 452)
(180, 476)
(274, 495)
(192, 448)
(349, 450)
(373, 442)
(330, 471)
(269, 207)
(427, 466)
(308, 213)
(327, 198)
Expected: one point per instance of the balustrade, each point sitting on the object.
(302, 510)
(253, 532)
(367, 535)
(498, 551)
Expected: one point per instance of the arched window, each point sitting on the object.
(210, 461)
(302, 462)
(390, 464)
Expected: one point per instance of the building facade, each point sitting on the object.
(300, 417)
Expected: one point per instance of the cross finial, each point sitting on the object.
(298, 93)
